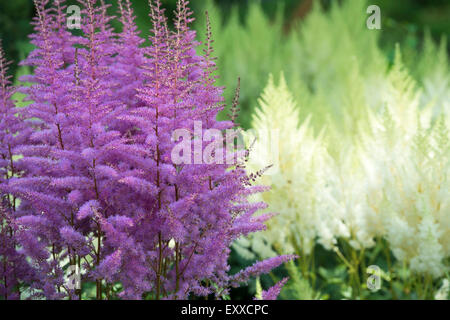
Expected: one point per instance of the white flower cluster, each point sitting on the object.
(298, 177)
(389, 180)
(407, 160)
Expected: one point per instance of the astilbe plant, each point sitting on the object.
(270, 294)
(299, 172)
(99, 190)
(61, 158)
(299, 181)
(14, 269)
(407, 163)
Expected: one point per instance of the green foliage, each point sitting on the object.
(314, 56)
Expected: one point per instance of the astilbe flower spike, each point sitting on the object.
(100, 190)
(273, 292)
(128, 66)
(14, 269)
(67, 157)
(43, 207)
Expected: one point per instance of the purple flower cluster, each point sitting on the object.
(14, 269)
(86, 175)
(273, 292)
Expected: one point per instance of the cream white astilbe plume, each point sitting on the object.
(346, 181)
(388, 178)
(297, 177)
(407, 161)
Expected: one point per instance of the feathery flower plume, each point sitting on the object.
(273, 292)
(14, 269)
(99, 188)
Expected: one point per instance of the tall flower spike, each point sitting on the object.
(127, 71)
(179, 95)
(74, 103)
(209, 50)
(273, 292)
(14, 269)
(234, 110)
(48, 117)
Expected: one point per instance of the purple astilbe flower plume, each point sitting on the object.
(99, 187)
(67, 159)
(16, 274)
(128, 67)
(260, 267)
(44, 209)
(273, 292)
(13, 130)
(190, 219)
(14, 269)
(9, 277)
